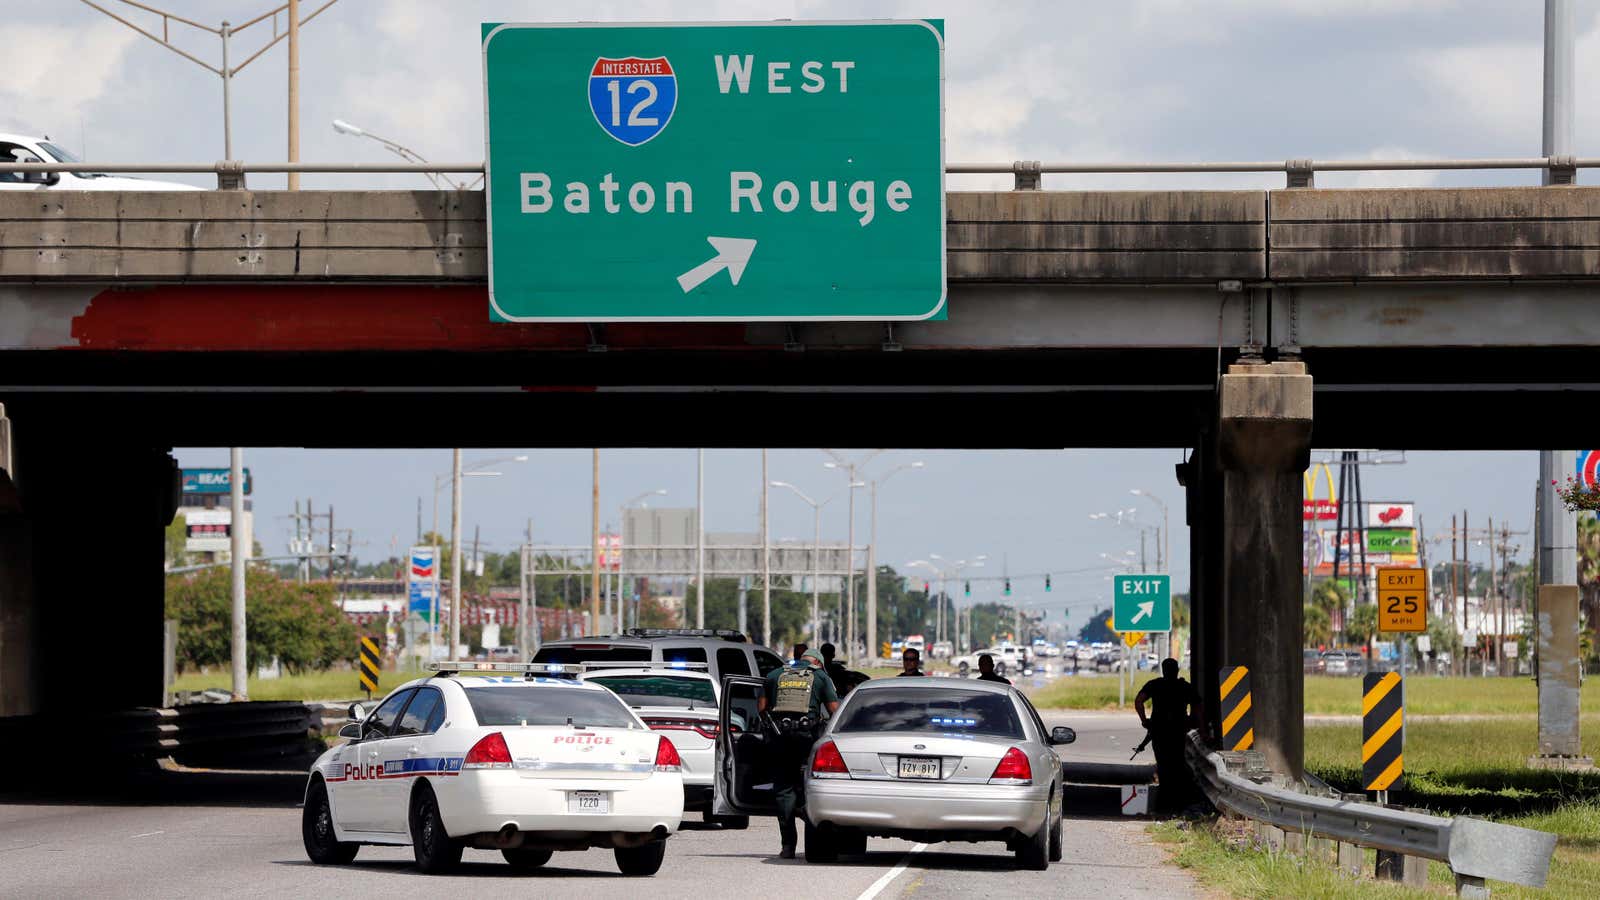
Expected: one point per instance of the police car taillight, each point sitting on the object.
(1013, 769)
(490, 752)
(667, 759)
(827, 763)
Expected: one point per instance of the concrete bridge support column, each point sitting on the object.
(1202, 481)
(1264, 445)
(81, 581)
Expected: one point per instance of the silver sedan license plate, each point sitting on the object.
(593, 802)
(926, 767)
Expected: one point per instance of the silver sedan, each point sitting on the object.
(928, 759)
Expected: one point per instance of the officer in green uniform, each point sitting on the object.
(794, 700)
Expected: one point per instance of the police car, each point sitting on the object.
(679, 698)
(495, 756)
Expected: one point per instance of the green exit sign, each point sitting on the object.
(766, 171)
(1141, 603)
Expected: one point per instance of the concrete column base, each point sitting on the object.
(1562, 763)
(1264, 445)
(1558, 672)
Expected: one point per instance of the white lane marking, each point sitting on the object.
(892, 874)
(149, 833)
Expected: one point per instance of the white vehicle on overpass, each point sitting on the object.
(487, 755)
(17, 148)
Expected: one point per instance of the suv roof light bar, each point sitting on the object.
(726, 634)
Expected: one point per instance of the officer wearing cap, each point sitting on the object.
(794, 702)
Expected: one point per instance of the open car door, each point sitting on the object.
(744, 784)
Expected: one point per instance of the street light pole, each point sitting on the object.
(816, 551)
(241, 672)
(700, 538)
(872, 555)
(455, 552)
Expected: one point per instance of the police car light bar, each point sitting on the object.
(457, 666)
(671, 664)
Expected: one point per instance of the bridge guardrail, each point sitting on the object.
(1474, 849)
(1300, 173)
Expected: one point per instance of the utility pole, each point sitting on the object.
(766, 559)
(455, 552)
(594, 567)
(331, 542)
(419, 520)
(236, 561)
(294, 91)
(700, 538)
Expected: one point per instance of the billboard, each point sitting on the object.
(1391, 540)
(422, 580)
(212, 481)
(207, 530)
(1391, 515)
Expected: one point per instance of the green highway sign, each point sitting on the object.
(759, 171)
(1141, 603)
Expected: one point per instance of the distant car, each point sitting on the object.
(1344, 662)
(1314, 663)
(923, 759)
(682, 703)
(723, 652)
(16, 148)
(479, 755)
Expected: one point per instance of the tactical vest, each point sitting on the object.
(794, 692)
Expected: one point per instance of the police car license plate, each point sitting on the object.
(919, 767)
(595, 802)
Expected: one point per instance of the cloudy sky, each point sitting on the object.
(1129, 80)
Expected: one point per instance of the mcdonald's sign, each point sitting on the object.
(1314, 509)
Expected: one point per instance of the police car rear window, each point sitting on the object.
(548, 706)
(925, 711)
(592, 653)
(660, 690)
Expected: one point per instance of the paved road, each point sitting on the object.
(205, 835)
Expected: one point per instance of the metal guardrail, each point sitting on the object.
(1474, 849)
(1300, 172)
(192, 734)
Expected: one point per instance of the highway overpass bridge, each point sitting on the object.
(131, 323)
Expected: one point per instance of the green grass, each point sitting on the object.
(1089, 691)
(1431, 695)
(1227, 862)
(326, 685)
(1426, 695)
(1477, 768)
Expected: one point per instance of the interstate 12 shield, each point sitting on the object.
(633, 99)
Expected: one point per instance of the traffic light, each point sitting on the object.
(1008, 587)
(1047, 583)
(925, 591)
(967, 589)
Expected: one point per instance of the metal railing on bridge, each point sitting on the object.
(1300, 173)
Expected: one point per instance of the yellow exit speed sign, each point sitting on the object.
(1402, 600)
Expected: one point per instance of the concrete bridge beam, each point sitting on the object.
(1264, 444)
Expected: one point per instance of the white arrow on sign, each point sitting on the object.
(1146, 609)
(733, 254)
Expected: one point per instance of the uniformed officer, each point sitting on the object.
(794, 701)
(1177, 709)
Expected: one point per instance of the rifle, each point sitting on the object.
(1148, 734)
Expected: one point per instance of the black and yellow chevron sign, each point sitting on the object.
(1382, 728)
(370, 665)
(1238, 722)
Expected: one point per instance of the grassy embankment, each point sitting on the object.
(1426, 695)
(328, 685)
(1457, 767)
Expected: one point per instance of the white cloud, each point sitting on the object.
(53, 70)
